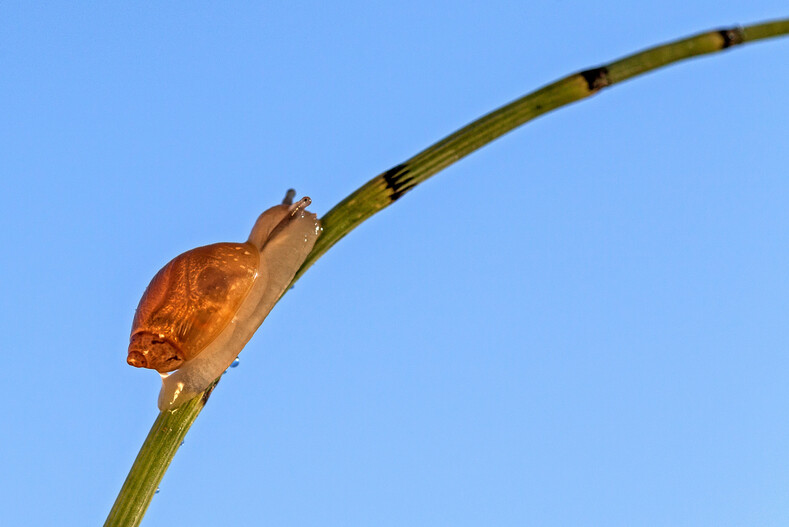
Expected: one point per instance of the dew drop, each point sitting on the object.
(157, 490)
(235, 363)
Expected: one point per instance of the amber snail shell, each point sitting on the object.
(189, 302)
(203, 306)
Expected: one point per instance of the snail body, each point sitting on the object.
(203, 306)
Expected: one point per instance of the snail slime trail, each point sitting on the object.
(201, 309)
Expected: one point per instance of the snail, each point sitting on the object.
(201, 308)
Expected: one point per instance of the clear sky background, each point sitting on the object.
(585, 323)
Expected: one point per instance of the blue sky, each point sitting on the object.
(582, 324)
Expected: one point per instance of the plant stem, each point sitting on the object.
(171, 426)
(386, 188)
(158, 450)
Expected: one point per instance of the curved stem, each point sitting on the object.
(388, 187)
(171, 426)
(158, 450)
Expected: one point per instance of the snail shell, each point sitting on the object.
(189, 302)
(203, 306)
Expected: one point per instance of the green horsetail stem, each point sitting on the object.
(386, 188)
(170, 427)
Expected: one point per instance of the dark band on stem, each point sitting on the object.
(596, 78)
(731, 36)
(398, 181)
